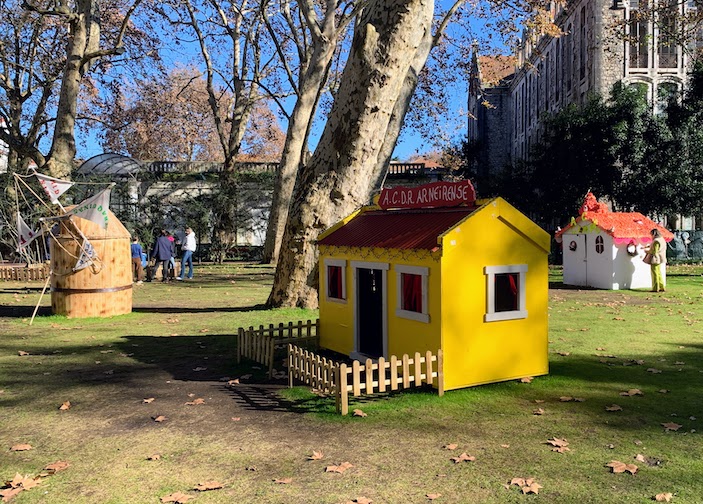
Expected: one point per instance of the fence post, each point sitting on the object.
(418, 370)
(406, 371)
(369, 377)
(440, 372)
(240, 337)
(342, 393)
(428, 368)
(381, 374)
(269, 353)
(290, 366)
(394, 372)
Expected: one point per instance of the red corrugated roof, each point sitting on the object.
(397, 229)
(620, 225)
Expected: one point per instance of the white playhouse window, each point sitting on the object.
(336, 280)
(505, 290)
(411, 293)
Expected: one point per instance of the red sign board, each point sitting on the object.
(436, 194)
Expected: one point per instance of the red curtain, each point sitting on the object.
(412, 292)
(334, 280)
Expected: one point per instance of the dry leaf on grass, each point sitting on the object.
(236, 419)
(200, 368)
(671, 426)
(663, 391)
(450, 446)
(534, 488)
(564, 354)
(360, 500)
(663, 497)
(505, 446)
(359, 413)
(526, 485)
(559, 445)
(433, 496)
(613, 407)
(620, 467)
(632, 392)
(526, 379)
(65, 406)
(464, 457)
(283, 481)
(539, 401)
(21, 447)
(22, 353)
(148, 400)
(538, 411)
(155, 456)
(8, 494)
(57, 466)
(208, 485)
(177, 498)
(195, 402)
(158, 418)
(653, 370)
(233, 382)
(316, 455)
(566, 399)
(338, 468)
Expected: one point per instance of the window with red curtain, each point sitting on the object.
(411, 292)
(507, 291)
(334, 282)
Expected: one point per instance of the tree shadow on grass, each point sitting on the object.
(205, 309)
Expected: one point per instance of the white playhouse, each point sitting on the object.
(605, 249)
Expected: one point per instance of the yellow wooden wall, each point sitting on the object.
(404, 335)
(476, 351)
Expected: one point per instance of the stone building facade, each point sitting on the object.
(507, 106)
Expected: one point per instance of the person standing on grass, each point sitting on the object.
(657, 257)
(162, 254)
(188, 247)
(137, 269)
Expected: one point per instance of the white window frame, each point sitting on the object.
(343, 264)
(411, 270)
(491, 272)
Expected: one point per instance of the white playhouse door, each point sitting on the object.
(575, 259)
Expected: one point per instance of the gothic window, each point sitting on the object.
(666, 91)
(600, 247)
(639, 36)
(667, 48)
(557, 68)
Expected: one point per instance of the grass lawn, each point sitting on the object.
(178, 346)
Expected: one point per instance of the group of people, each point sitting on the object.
(164, 254)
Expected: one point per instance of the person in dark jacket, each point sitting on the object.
(162, 254)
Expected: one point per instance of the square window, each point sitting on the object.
(411, 292)
(505, 292)
(335, 282)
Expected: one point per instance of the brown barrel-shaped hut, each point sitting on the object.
(102, 290)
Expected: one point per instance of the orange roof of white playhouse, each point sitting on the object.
(621, 226)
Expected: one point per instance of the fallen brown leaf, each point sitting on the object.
(671, 426)
(316, 455)
(566, 398)
(613, 407)
(208, 485)
(433, 496)
(158, 418)
(663, 497)
(359, 413)
(620, 467)
(148, 400)
(195, 402)
(505, 446)
(236, 419)
(338, 468)
(632, 392)
(57, 466)
(663, 391)
(538, 411)
(22, 353)
(177, 498)
(21, 447)
(534, 488)
(464, 457)
(653, 370)
(283, 481)
(65, 406)
(451, 446)
(155, 456)
(527, 379)
(557, 442)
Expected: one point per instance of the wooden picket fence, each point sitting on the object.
(260, 344)
(21, 273)
(364, 379)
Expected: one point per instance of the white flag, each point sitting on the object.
(54, 187)
(94, 208)
(25, 234)
(86, 257)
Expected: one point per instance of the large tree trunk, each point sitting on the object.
(295, 147)
(340, 175)
(63, 148)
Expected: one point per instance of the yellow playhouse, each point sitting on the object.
(428, 268)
